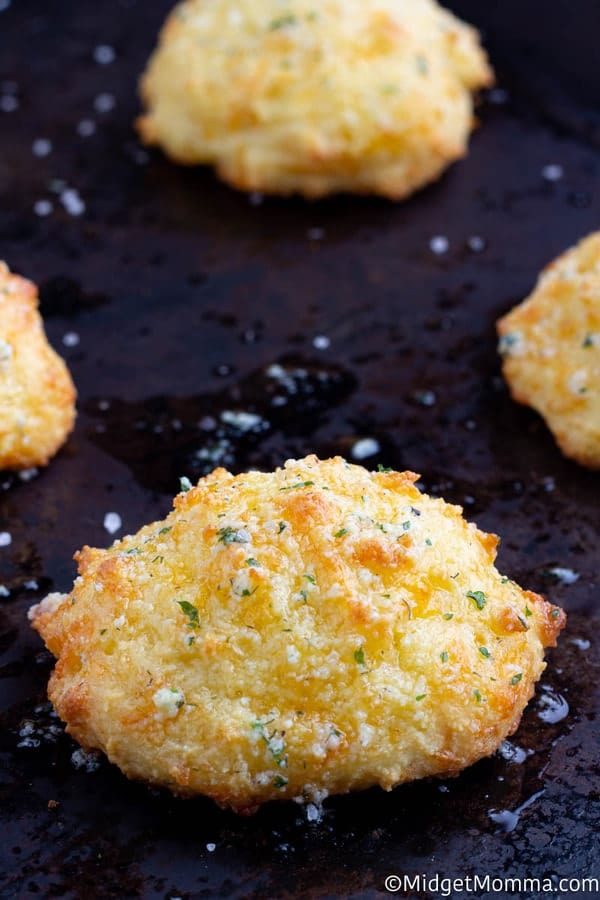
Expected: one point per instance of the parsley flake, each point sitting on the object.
(299, 484)
(444, 656)
(478, 597)
(406, 526)
(166, 529)
(191, 612)
(477, 695)
(516, 678)
(359, 656)
(282, 527)
(420, 696)
(185, 484)
(310, 578)
(341, 532)
(485, 652)
(229, 535)
(252, 562)
(381, 468)
(279, 781)
(448, 616)
(283, 22)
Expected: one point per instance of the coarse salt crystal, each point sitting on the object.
(365, 447)
(70, 339)
(112, 522)
(439, 244)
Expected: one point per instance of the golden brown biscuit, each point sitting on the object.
(550, 346)
(37, 397)
(367, 96)
(288, 635)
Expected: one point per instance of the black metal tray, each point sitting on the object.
(170, 296)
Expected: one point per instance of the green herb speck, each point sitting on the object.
(516, 678)
(478, 597)
(191, 612)
(448, 616)
(229, 535)
(283, 22)
(341, 532)
(359, 656)
(444, 656)
(477, 695)
(420, 696)
(381, 468)
(252, 562)
(165, 530)
(279, 781)
(282, 527)
(299, 484)
(185, 484)
(310, 578)
(485, 652)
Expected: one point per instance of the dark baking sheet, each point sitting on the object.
(182, 293)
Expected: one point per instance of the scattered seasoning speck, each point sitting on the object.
(424, 398)
(104, 55)
(485, 652)
(5, 539)
(552, 172)
(448, 616)
(86, 128)
(112, 522)
(104, 103)
(41, 147)
(341, 532)
(477, 695)
(420, 696)
(444, 656)
(72, 202)
(439, 244)
(9, 103)
(516, 678)
(364, 448)
(43, 208)
(70, 339)
(562, 575)
(321, 342)
(476, 243)
(498, 96)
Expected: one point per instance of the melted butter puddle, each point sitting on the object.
(508, 819)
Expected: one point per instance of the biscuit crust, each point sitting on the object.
(550, 346)
(37, 396)
(366, 96)
(315, 630)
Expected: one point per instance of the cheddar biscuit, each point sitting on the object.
(550, 346)
(366, 96)
(37, 396)
(314, 630)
